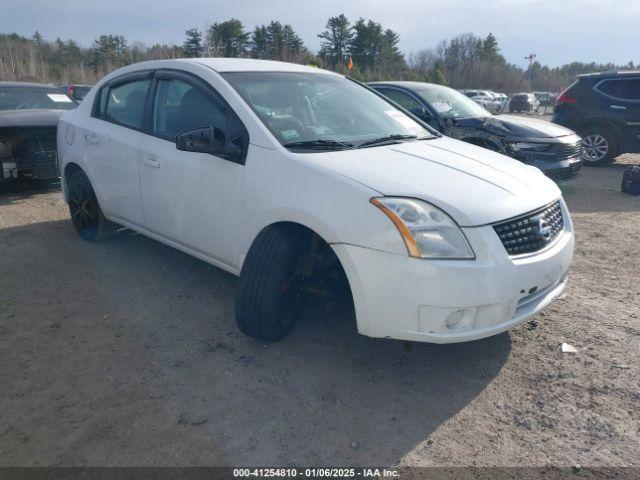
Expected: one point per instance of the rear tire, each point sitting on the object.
(270, 289)
(85, 210)
(599, 145)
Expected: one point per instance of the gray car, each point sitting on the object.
(29, 114)
(553, 149)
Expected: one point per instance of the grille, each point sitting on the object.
(568, 150)
(531, 232)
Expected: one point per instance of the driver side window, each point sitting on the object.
(403, 99)
(180, 106)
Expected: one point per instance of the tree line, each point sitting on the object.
(364, 49)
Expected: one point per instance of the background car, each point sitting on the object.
(75, 91)
(524, 102)
(545, 98)
(29, 114)
(555, 151)
(503, 98)
(604, 108)
(486, 99)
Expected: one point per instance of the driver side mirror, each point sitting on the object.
(425, 115)
(202, 140)
(209, 140)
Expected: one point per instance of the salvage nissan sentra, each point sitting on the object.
(304, 182)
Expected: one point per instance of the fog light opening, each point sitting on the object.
(454, 319)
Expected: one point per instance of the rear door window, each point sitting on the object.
(403, 99)
(124, 103)
(630, 89)
(624, 89)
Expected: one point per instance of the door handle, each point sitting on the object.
(618, 107)
(150, 159)
(91, 138)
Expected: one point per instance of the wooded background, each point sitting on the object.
(464, 61)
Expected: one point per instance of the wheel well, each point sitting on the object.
(70, 169)
(319, 261)
(603, 124)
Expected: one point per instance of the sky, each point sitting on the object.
(557, 31)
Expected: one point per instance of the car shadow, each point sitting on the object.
(604, 182)
(127, 352)
(13, 192)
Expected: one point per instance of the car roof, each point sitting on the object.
(610, 73)
(252, 65)
(27, 84)
(405, 84)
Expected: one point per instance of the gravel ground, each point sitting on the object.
(126, 353)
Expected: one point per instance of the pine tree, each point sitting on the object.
(193, 44)
(336, 39)
(227, 39)
(259, 42)
(490, 49)
(37, 39)
(277, 42)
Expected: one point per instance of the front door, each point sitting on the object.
(192, 199)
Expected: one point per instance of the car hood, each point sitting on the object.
(474, 185)
(30, 118)
(515, 126)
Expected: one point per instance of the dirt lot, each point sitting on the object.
(126, 353)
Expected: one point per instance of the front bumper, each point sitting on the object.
(557, 158)
(558, 170)
(446, 301)
(29, 153)
(29, 168)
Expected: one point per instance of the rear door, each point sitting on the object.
(111, 141)
(622, 101)
(192, 199)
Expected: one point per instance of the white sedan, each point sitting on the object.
(304, 182)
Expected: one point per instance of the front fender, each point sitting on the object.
(281, 188)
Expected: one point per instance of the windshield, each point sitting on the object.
(26, 98)
(450, 103)
(324, 109)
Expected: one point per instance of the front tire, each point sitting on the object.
(270, 287)
(85, 211)
(599, 145)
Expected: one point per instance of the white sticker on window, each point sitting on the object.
(289, 134)
(9, 170)
(59, 97)
(441, 107)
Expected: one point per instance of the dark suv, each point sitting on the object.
(524, 102)
(604, 108)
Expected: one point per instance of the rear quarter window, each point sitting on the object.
(123, 103)
(621, 88)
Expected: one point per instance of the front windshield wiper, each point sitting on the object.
(387, 139)
(319, 144)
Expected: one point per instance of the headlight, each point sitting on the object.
(427, 231)
(527, 146)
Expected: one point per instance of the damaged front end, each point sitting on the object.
(557, 153)
(28, 153)
(558, 159)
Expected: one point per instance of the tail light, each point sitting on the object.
(564, 97)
